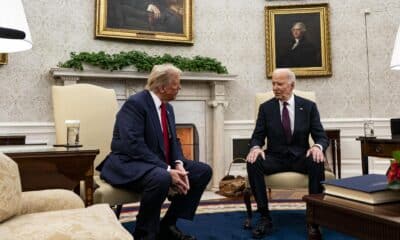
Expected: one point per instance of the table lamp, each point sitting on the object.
(395, 64)
(14, 30)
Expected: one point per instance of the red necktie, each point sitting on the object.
(286, 122)
(164, 123)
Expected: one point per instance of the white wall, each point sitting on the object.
(233, 32)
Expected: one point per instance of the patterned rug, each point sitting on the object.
(129, 211)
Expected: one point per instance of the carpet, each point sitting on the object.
(223, 220)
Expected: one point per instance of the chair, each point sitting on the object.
(50, 214)
(283, 180)
(96, 108)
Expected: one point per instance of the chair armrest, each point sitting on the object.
(49, 200)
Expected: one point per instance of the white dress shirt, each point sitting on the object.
(157, 103)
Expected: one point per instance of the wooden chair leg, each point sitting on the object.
(118, 210)
(247, 202)
(269, 194)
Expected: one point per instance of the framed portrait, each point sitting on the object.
(297, 37)
(151, 20)
(3, 58)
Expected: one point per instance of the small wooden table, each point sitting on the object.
(46, 167)
(360, 220)
(376, 147)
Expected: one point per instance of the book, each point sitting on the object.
(371, 189)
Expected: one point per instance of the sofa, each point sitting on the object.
(54, 214)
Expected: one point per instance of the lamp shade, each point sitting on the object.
(13, 23)
(395, 64)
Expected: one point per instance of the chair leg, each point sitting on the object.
(269, 193)
(247, 202)
(118, 210)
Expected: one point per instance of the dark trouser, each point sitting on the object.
(274, 164)
(154, 187)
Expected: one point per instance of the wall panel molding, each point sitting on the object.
(350, 129)
(44, 132)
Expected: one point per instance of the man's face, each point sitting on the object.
(297, 32)
(169, 92)
(281, 86)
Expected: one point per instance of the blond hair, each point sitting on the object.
(161, 76)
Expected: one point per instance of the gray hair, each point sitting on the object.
(161, 75)
(301, 25)
(290, 74)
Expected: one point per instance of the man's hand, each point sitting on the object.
(316, 153)
(178, 180)
(253, 155)
(179, 166)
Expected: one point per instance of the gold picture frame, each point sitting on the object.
(163, 20)
(3, 58)
(297, 37)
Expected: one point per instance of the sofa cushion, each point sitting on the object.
(97, 222)
(49, 200)
(10, 188)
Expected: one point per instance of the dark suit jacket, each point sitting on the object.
(137, 145)
(269, 125)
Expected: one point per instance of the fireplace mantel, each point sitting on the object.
(197, 87)
(70, 76)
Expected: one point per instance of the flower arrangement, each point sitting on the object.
(393, 174)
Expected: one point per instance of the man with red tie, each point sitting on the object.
(286, 121)
(146, 157)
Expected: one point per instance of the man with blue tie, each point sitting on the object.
(286, 121)
(146, 157)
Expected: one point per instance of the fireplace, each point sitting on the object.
(201, 102)
(189, 138)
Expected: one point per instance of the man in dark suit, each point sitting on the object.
(300, 52)
(286, 121)
(146, 157)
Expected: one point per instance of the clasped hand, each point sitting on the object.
(180, 180)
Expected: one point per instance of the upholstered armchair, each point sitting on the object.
(96, 108)
(50, 214)
(283, 180)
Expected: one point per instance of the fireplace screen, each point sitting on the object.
(189, 139)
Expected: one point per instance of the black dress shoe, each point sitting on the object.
(173, 233)
(314, 232)
(143, 236)
(263, 227)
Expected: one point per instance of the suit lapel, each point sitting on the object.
(298, 113)
(155, 120)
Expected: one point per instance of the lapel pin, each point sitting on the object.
(301, 109)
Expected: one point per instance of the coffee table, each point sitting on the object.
(357, 219)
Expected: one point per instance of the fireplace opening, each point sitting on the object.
(240, 147)
(189, 138)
